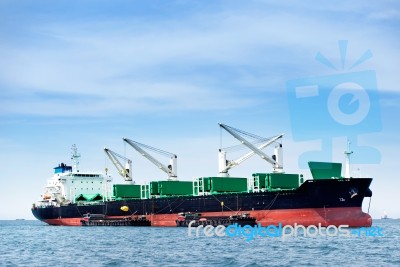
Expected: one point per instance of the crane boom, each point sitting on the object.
(171, 169)
(124, 171)
(276, 165)
(233, 163)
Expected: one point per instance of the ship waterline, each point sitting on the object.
(353, 217)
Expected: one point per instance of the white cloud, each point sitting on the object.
(125, 64)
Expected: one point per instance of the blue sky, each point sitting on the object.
(164, 73)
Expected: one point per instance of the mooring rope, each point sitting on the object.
(224, 204)
(369, 205)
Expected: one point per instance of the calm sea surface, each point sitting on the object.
(32, 243)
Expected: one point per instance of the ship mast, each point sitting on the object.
(347, 164)
(75, 158)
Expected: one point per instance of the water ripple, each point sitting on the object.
(32, 243)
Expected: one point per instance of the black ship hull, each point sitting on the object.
(328, 201)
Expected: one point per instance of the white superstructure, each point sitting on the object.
(70, 185)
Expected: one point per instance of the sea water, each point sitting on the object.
(33, 243)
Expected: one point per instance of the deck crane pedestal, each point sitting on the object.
(276, 160)
(171, 169)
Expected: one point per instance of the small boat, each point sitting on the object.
(196, 219)
(102, 220)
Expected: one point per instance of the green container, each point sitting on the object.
(282, 180)
(154, 188)
(126, 191)
(206, 182)
(169, 188)
(225, 184)
(325, 170)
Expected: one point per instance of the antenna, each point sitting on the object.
(75, 157)
(347, 165)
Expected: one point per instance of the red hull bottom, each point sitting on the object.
(353, 217)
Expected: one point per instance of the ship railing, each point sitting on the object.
(145, 191)
(89, 203)
(198, 187)
(46, 205)
(250, 185)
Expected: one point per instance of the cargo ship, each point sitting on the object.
(271, 198)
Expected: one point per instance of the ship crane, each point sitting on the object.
(275, 160)
(124, 171)
(171, 169)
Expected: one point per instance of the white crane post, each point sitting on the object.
(128, 172)
(174, 167)
(278, 151)
(222, 164)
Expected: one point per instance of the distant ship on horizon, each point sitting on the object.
(385, 216)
